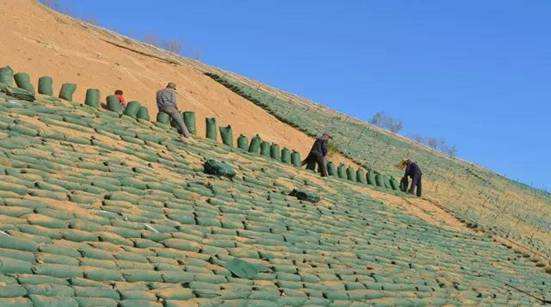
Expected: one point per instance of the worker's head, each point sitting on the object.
(403, 164)
(171, 85)
(326, 136)
(118, 92)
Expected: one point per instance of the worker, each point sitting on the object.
(166, 102)
(120, 96)
(412, 171)
(318, 155)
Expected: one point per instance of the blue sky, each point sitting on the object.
(476, 73)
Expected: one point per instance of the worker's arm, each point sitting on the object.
(172, 97)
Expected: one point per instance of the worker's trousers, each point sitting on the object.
(316, 158)
(416, 185)
(177, 120)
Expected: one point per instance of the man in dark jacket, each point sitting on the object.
(318, 155)
(414, 172)
(166, 102)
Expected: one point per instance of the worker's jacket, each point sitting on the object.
(166, 98)
(319, 147)
(412, 170)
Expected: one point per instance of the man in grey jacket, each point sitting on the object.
(166, 102)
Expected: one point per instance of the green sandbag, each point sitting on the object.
(163, 118)
(379, 180)
(227, 135)
(6, 75)
(296, 159)
(243, 142)
(286, 155)
(113, 104)
(67, 91)
(45, 86)
(189, 120)
(214, 167)
(265, 149)
(92, 97)
(360, 176)
(341, 171)
(143, 114)
(393, 183)
(370, 176)
(275, 152)
(351, 174)
(211, 128)
(23, 81)
(16, 92)
(305, 195)
(244, 269)
(331, 170)
(132, 109)
(255, 144)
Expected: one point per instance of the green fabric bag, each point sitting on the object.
(244, 269)
(286, 155)
(45, 86)
(113, 104)
(275, 152)
(143, 114)
(211, 128)
(243, 142)
(227, 135)
(163, 118)
(265, 149)
(351, 174)
(360, 176)
(331, 170)
(23, 81)
(305, 195)
(255, 145)
(92, 97)
(341, 171)
(189, 120)
(296, 159)
(6, 76)
(67, 91)
(132, 109)
(214, 167)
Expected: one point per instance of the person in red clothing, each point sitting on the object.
(120, 96)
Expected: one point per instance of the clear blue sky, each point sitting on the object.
(476, 73)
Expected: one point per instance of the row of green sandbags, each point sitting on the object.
(45, 87)
(362, 176)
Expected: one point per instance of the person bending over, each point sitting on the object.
(166, 102)
(318, 155)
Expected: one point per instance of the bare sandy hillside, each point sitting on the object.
(43, 42)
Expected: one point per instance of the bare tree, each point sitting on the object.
(172, 46)
(384, 121)
(436, 144)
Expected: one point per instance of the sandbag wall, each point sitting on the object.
(135, 110)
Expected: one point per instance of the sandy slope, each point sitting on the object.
(42, 42)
